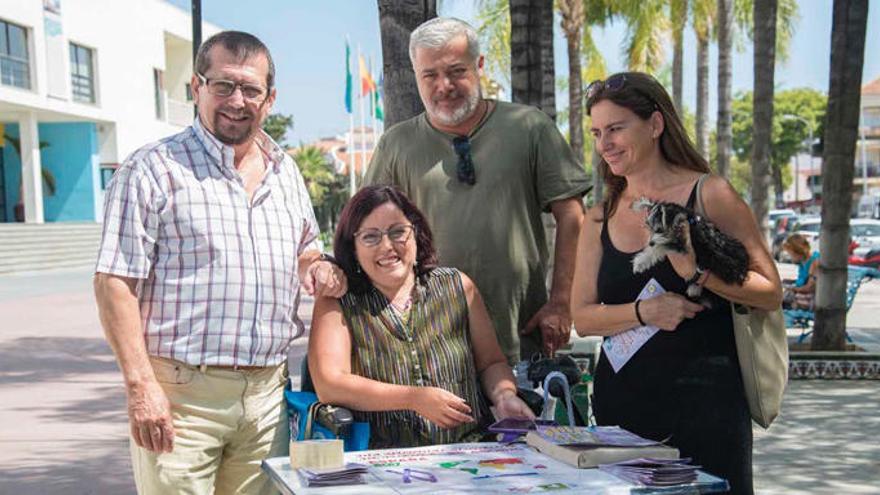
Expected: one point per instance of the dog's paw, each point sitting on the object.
(642, 261)
(694, 291)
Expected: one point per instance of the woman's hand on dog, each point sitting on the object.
(667, 310)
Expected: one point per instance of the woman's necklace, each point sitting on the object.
(403, 307)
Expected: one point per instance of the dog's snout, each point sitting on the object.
(650, 243)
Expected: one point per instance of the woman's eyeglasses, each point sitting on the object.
(396, 233)
(465, 169)
(612, 84)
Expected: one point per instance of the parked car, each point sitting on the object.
(866, 256)
(773, 215)
(864, 233)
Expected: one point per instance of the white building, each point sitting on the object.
(83, 83)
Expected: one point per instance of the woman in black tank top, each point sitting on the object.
(683, 384)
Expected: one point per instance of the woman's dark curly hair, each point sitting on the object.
(356, 210)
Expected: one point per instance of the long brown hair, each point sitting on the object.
(643, 95)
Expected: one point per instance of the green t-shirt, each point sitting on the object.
(492, 230)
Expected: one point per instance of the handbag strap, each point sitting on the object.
(698, 206)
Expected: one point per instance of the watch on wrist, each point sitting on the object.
(696, 276)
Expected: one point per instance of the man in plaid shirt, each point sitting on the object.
(208, 236)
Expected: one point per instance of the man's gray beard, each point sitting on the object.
(462, 113)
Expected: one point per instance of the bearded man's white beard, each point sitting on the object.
(461, 113)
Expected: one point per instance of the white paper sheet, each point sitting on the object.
(620, 348)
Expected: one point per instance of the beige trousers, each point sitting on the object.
(225, 423)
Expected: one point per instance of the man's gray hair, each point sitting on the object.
(438, 32)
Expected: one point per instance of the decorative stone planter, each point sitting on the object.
(834, 365)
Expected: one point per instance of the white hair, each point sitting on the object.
(439, 32)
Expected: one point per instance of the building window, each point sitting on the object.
(14, 66)
(107, 170)
(159, 93)
(82, 75)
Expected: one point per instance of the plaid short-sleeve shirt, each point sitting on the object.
(219, 283)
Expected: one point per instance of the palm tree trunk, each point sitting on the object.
(529, 74)
(778, 188)
(724, 136)
(848, 27)
(762, 107)
(678, 14)
(397, 19)
(703, 95)
(548, 66)
(572, 20)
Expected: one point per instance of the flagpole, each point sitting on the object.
(352, 186)
(373, 93)
(363, 124)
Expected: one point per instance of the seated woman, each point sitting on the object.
(798, 294)
(405, 346)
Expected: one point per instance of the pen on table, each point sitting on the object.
(486, 476)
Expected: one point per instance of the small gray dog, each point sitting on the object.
(716, 251)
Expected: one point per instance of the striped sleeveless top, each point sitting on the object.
(429, 347)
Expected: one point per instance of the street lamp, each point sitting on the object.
(797, 161)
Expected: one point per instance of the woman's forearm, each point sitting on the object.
(757, 291)
(497, 381)
(604, 319)
(363, 394)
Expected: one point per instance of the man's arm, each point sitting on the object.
(554, 318)
(149, 411)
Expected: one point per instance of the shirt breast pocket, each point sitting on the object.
(193, 233)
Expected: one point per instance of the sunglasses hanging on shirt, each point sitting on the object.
(465, 168)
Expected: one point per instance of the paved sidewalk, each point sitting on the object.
(63, 427)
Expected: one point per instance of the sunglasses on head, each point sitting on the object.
(612, 85)
(465, 168)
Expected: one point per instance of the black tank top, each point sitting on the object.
(644, 394)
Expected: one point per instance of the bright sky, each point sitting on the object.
(307, 40)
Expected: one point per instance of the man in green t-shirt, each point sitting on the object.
(482, 171)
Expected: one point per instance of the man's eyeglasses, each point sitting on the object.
(465, 169)
(224, 88)
(612, 84)
(396, 233)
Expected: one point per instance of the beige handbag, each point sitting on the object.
(762, 348)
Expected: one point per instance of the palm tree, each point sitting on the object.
(723, 133)
(397, 19)
(762, 106)
(647, 26)
(703, 15)
(678, 15)
(548, 65)
(327, 190)
(848, 27)
(529, 62)
(572, 21)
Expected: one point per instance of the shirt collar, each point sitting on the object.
(224, 154)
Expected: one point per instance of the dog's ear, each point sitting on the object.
(642, 203)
